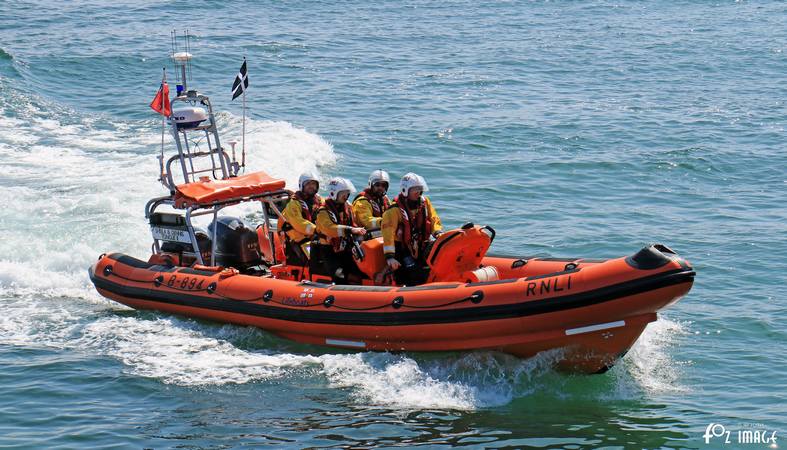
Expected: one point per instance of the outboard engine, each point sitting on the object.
(237, 244)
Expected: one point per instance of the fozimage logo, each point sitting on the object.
(718, 433)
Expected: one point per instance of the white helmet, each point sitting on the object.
(305, 178)
(338, 185)
(378, 176)
(411, 180)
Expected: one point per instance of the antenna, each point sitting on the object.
(181, 56)
(235, 164)
(187, 39)
(173, 50)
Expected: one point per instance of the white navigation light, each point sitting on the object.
(189, 117)
(182, 56)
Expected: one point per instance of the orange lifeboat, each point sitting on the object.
(591, 309)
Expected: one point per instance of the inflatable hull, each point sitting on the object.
(593, 311)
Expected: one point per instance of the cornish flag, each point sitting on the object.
(241, 81)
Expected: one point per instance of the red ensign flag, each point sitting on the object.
(160, 103)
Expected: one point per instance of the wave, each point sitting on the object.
(75, 185)
(187, 352)
(179, 352)
(650, 368)
(277, 147)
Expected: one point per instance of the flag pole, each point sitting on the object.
(163, 129)
(243, 139)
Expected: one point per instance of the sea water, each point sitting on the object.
(577, 129)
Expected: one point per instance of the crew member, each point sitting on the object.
(370, 204)
(332, 253)
(299, 216)
(407, 227)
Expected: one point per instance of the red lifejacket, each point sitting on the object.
(378, 207)
(308, 213)
(340, 215)
(415, 228)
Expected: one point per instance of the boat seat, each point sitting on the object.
(456, 255)
(374, 258)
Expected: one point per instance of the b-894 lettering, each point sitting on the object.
(188, 283)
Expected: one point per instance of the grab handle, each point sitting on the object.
(492, 231)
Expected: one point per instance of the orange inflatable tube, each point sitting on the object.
(592, 309)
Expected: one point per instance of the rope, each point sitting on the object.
(392, 304)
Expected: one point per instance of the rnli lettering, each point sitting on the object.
(295, 301)
(547, 286)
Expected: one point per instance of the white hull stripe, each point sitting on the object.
(601, 326)
(343, 343)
